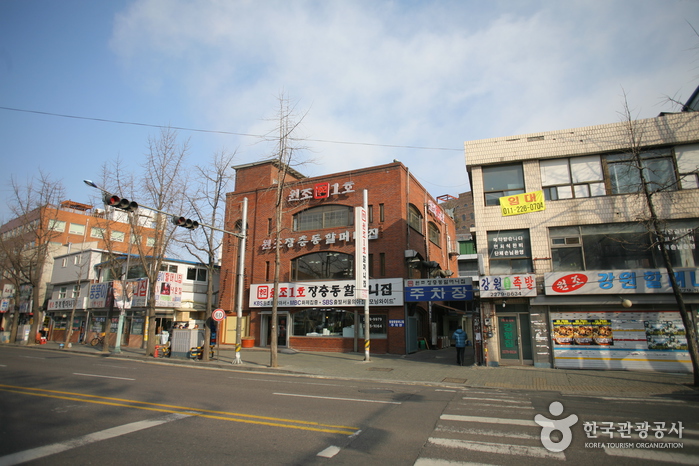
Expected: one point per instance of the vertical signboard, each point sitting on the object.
(361, 255)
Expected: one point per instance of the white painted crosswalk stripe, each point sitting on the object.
(498, 448)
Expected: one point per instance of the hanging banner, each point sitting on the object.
(361, 253)
(522, 203)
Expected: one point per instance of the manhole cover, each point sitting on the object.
(451, 380)
(380, 369)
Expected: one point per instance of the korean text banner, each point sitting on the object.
(641, 281)
(522, 203)
(336, 293)
(505, 286)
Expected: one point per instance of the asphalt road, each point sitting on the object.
(67, 408)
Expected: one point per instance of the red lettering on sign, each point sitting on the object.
(569, 283)
(321, 191)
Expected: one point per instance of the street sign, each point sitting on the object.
(218, 315)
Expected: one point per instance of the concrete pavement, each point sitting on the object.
(428, 367)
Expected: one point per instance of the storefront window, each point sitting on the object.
(333, 322)
(509, 252)
(323, 322)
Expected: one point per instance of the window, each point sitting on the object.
(509, 252)
(502, 180)
(382, 216)
(64, 262)
(327, 216)
(168, 268)
(76, 291)
(77, 259)
(76, 229)
(97, 232)
(117, 236)
(57, 225)
(415, 218)
(370, 213)
(136, 271)
(332, 322)
(323, 322)
(62, 292)
(572, 178)
(150, 242)
(323, 266)
(625, 176)
(196, 274)
(371, 265)
(433, 234)
(621, 246)
(135, 240)
(688, 165)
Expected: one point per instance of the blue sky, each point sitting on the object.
(428, 74)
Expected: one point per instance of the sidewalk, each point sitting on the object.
(430, 367)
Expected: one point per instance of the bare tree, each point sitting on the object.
(162, 186)
(654, 187)
(26, 243)
(286, 144)
(204, 244)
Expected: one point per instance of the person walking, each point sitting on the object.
(459, 338)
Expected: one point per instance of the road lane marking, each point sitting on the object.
(501, 400)
(102, 376)
(339, 399)
(491, 420)
(329, 452)
(164, 408)
(498, 448)
(118, 431)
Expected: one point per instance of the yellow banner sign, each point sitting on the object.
(522, 203)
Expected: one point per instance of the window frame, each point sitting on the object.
(434, 234)
(575, 187)
(493, 193)
(329, 216)
(626, 160)
(415, 218)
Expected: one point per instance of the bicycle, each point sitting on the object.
(98, 340)
(196, 352)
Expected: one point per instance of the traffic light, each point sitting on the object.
(120, 203)
(185, 222)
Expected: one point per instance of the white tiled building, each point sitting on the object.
(564, 252)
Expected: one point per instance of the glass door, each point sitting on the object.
(515, 339)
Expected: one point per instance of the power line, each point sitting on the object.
(181, 128)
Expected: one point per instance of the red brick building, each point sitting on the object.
(409, 237)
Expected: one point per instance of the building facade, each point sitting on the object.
(61, 227)
(572, 275)
(319, 310)
(87, 286)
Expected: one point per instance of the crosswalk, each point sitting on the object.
(497, 427)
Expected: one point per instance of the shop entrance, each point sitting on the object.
(282, 330)
(514, 335)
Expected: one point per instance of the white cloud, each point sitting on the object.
(416, 74)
